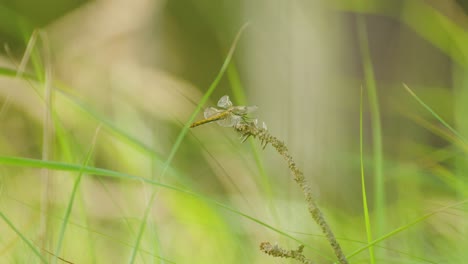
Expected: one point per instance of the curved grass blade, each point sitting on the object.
(363, 185)
(73, 195)
(405, 227)
(379, 185)
(239, 94)
(29, 243)
(181, 136)
(34, 163)
(439, 118)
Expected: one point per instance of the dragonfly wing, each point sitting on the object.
(242, 110)
(255, 122)
(250, 109)
(211, 111)
(224, 102)
(229, 121)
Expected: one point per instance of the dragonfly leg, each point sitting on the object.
(244, 137)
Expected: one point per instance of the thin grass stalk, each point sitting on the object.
(250, 129)
(363, 185)
(23, 237)
(179, 139)
(379, 184)
(47, 133)
(74, 192)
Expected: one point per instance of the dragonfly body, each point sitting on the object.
(213, 118)
(227, 116)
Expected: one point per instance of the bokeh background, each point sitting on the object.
(112, 84)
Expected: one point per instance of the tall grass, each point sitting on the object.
(158, 195)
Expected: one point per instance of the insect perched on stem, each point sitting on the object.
(227, 115)
(236, 117)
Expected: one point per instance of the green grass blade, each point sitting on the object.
(108, 124)
(438, 117)
(12, 24)
(54, 165)
(239, 94)
(439, 29)
(34, 163)
(236, 84)
(426, 20)
(379, 184)
(47, 131)
(7, 72)
(363, 185)
(405, 227)
(181, 136)
(73, 195)
(29, 243)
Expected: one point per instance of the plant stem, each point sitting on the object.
(250, 129)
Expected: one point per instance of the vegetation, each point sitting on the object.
(99, 163)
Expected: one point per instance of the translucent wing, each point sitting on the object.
(242, 110)
(224, 102)
(211, 111)
(250, 109)
(229, 121)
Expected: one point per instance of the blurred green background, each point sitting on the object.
(96, 98)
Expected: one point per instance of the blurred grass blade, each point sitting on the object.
(7, 72)
(363, 184)
(379, 184)
(433, 113)
(73, 195)
(180, 137)
(54, 165)
(405, 227)
(436, 27)
(239, 94)
(108, 124)
(25, 240)
(13, 24)
(34, 163)
(217, 79)
(48, 133)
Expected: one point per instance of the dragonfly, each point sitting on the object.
(226, 115)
